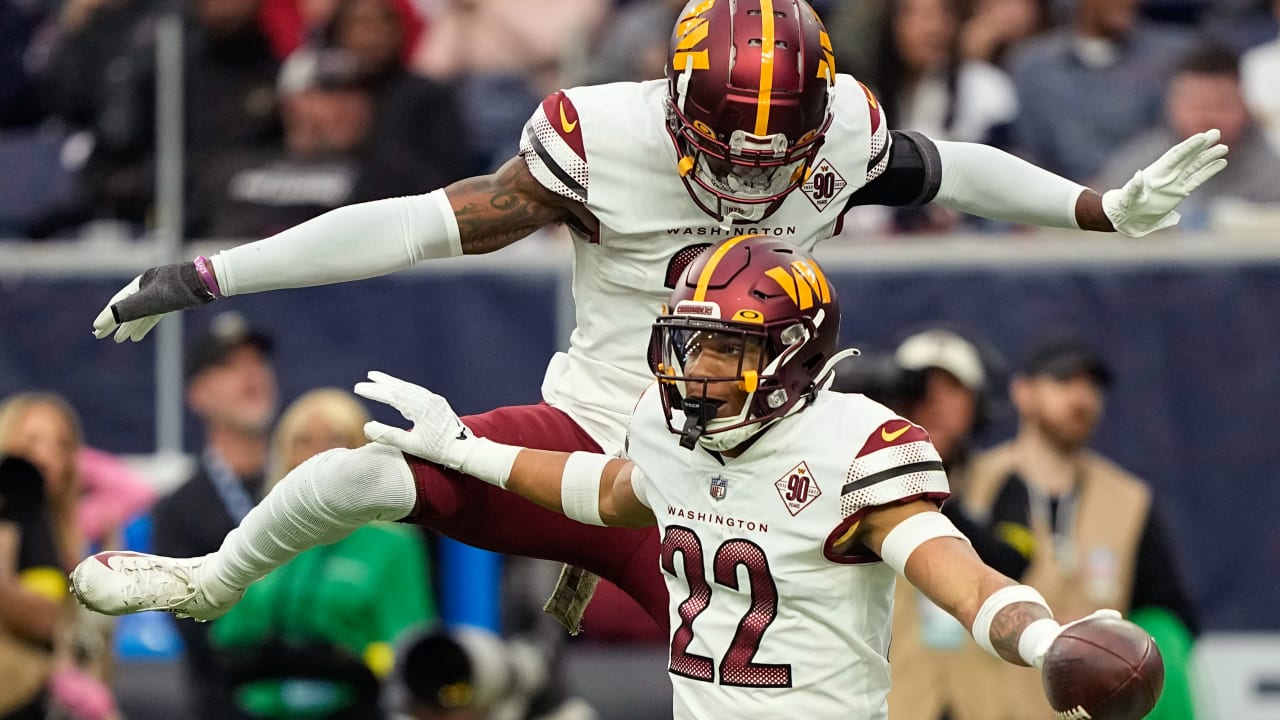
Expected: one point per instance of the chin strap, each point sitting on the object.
(698, 412)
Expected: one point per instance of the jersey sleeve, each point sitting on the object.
(895, 464)
(553, 148)
(881, 139)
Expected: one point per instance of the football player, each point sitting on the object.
(785, 511)
(751, 131)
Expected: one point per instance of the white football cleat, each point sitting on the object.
(120, 583)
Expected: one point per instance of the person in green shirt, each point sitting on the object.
(314, 638)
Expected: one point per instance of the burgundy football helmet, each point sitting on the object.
(748, 101)
(770, 304)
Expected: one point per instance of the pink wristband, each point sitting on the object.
(205, 272)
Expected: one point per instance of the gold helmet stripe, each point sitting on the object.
(700, 293)
(767, 41)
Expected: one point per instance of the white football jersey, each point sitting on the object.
(766, 620)
(607, 146)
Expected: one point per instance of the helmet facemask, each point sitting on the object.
(745, 179)
(748, 356)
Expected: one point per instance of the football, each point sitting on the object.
(1103, 669)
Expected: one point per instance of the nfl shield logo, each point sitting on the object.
(718, 487)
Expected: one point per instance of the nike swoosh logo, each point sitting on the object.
(564, 121)
(887, 436)
(105, 557)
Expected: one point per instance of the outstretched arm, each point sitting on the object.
(947, 570)
(1009, 620)
(587, 487)
(472, 216)
(984, 181)
(561, 482)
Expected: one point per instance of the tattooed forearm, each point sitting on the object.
(495, 210)
(1008, 625)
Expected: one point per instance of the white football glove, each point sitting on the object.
(132, 312)
(438, 435)
(1043, 643)
(1146, 203)
(134, 330)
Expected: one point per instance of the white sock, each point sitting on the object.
(319, 502)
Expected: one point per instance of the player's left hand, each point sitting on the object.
(438, 435)
(1146, 203)
(1042, 648)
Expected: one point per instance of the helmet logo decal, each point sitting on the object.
(827, 66)
(751, 316)
(767, 43)
(704, 279)
(802, 284)
(692, 29)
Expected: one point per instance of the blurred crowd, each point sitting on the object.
(294, 107)
(345, 630)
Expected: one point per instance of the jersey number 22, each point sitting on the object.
(736, 667)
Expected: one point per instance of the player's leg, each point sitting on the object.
(319, 502)
(479, 514)
(327, 497)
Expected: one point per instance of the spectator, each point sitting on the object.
(333, 639)
(417, 121)
(1260, 67)
(31, 591)
(19, 22)
(42, 642)
(940, 380)
(506, 56)
(90, 41)
(1241, 24)
(996, 27)
(924, 84)
(1106, 51)
(45, 430)
(1090, 529)
(112, 495)
(229, 98)
(328, 112)
(633, 43)
(1205, 93)
(231, 386)
(292, 23)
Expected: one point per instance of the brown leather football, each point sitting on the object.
(1103, 669)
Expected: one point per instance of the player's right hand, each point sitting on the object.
(132, 312)
(438, 435)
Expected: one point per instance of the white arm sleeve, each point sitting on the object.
(349, 243)
(580, 487)
(638, 482)
(982, 180)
